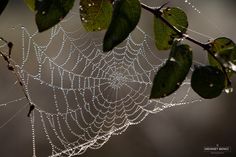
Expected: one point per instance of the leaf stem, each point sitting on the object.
(206, 46)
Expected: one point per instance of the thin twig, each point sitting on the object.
(12, 67)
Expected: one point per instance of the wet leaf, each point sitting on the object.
(95, 14)
(208, 81)
(225, 49)
(126, 15)
(164, 35)
(3, 4)
(170, 76)
(51, 12)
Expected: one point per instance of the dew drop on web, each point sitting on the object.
(191, 4)
(229, 90)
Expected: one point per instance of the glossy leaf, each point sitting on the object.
(51, 12)
(225, 49)
(3, 4)
(126, 15)
(208, 81)
(30, 4)
(169, 78)
(95, 14)
(164, 36)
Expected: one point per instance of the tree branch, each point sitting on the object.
(206, 46)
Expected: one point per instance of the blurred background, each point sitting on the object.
(182, 131)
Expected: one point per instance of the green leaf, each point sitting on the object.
(169, 78)
(164, 36)
(30, 4)
(225, 49)
(3, 5)
(126, 15)
(95, 14)
(208, 81)
(51, 12)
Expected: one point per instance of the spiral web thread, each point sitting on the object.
(82, 95)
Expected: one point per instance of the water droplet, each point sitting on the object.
(228, 70)
(229, 89)
(232, 66)
(179, 40)
(191, 4)
(172, 59)
(81, 7)
(227, 65)
(216, 55)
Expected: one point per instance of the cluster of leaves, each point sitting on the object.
(120, 17)
(170, 26)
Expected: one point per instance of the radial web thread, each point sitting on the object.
(82, 95)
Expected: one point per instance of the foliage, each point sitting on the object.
(224, 49)
(30, 4)
(51, 12)
(3, 5)
(124, 20)
(172, 74)
(164, 35)
(208, 81)
(170, 25)
(95, 15)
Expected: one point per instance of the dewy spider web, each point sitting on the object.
(82, 95)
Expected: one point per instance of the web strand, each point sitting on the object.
(84, 96)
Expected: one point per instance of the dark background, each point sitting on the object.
(181, 131)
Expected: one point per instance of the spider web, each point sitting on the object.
(82, 95)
